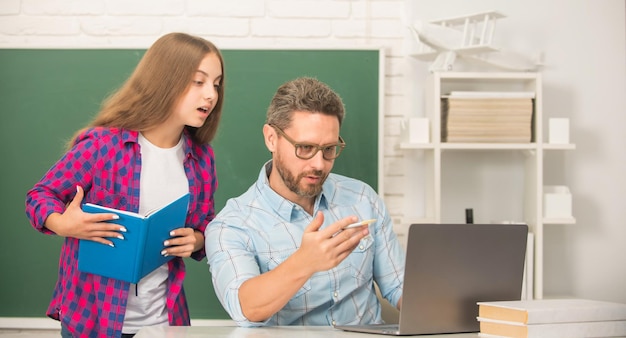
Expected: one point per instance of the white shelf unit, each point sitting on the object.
(435, 156)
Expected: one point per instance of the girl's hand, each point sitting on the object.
(183, 243)
(78, 224)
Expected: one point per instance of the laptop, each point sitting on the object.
(451, 267)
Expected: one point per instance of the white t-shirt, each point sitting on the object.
(162, 181)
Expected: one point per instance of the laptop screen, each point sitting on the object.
(451, 267)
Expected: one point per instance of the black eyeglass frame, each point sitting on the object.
(297, 145)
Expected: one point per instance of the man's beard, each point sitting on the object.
(291, 182)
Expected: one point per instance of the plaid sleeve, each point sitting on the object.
(58, 186)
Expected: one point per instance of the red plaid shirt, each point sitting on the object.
(106, 162)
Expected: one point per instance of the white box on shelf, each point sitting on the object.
(558, 131)
(557, 202)
(419, 131)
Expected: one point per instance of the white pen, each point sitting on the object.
(365, 222)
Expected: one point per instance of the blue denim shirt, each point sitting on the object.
(258, 230)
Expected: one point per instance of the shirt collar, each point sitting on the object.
(188, 145)
(282, 206)
(133, 136)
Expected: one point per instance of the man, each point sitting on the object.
(279, 253)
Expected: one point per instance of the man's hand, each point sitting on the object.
(324, 249)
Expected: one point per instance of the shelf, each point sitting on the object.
(414, 220)
(493, 76)
(568, 220)
(407, 145)
(487, 146)
(469, 146)
(437, 171)
(548, 146)
(421, 220)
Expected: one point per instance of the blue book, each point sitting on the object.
(139, 253)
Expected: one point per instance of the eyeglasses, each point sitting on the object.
(306, 151)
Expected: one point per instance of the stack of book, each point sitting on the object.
(552, 318)
(492, 117)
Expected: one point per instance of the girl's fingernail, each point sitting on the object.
(120, 236)
(164, 253)
(166, 243)
(122, 229)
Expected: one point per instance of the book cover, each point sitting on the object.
(552, 311)
(609, 328)
(139, 253)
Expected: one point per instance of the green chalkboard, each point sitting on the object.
(46, 95)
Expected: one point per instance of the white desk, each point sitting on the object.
(263, 332)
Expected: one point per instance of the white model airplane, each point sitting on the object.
(468, 36)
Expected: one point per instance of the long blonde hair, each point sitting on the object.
(149, 95)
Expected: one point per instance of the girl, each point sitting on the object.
(148, 145)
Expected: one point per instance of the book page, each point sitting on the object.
(115, 211)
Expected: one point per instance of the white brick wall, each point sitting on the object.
(229, 24)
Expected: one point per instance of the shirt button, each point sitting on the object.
(334, 323)
(336, 294)
(361, 247)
